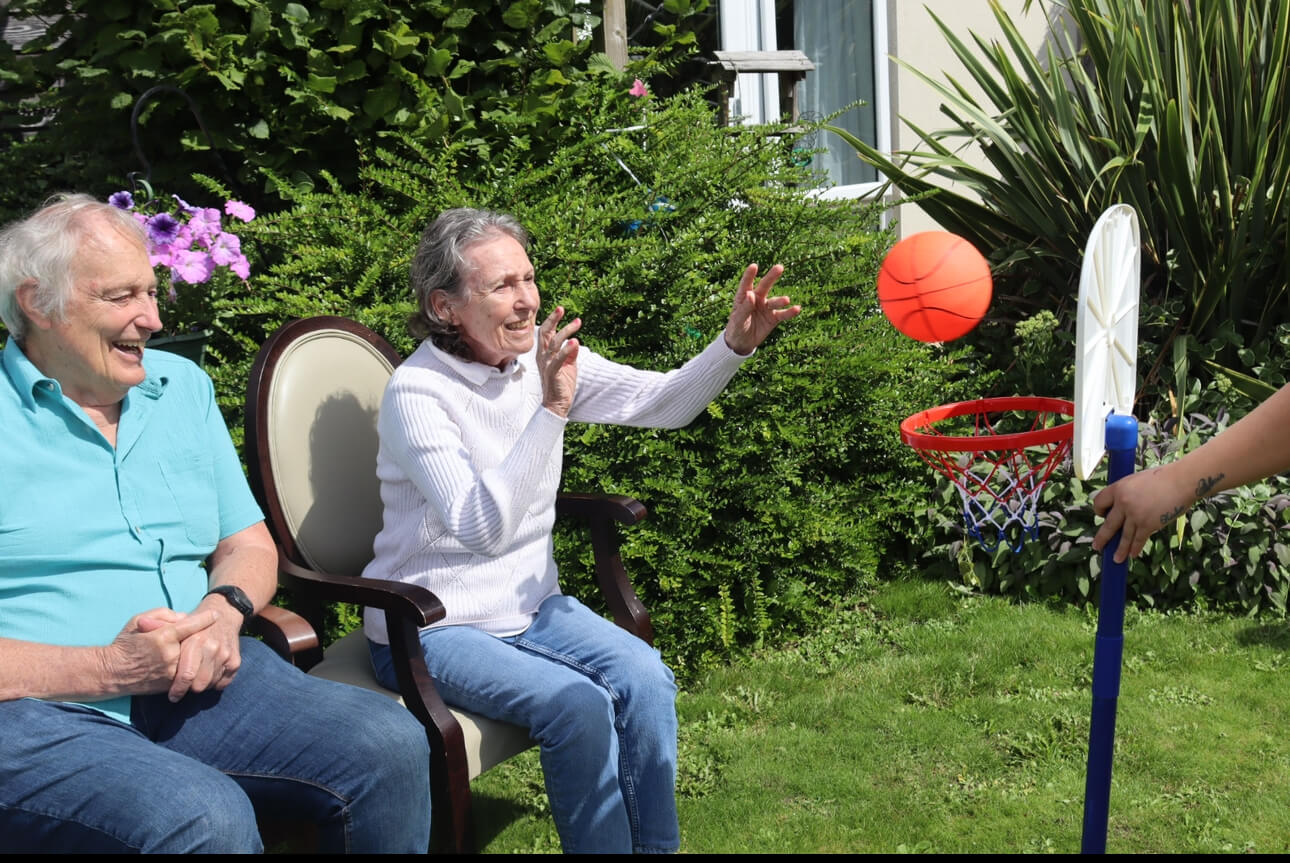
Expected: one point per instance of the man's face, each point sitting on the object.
(95, 351)
(498, 319)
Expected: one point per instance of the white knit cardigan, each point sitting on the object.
(470, 463)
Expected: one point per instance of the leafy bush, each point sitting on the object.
(1174, 108)
(295, 88)
(793, 489)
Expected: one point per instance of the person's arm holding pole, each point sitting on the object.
(1255, 447)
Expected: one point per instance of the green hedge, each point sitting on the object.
(294, 88)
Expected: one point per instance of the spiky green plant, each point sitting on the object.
(1176, 108)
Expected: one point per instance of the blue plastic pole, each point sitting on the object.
(1108, 650)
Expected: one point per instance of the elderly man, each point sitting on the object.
(132, 715)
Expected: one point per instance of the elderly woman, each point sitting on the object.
(472, 427)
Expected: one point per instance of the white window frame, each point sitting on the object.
(749, 25)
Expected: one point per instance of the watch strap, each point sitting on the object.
(236, 597)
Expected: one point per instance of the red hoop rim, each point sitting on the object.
(912, 429)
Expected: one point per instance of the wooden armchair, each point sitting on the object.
(311, 443)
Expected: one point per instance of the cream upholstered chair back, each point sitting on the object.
(322, 404)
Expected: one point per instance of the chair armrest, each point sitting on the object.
(412, 601)
(312, 590)
(602, 514)
(595, 507)
(285, 631)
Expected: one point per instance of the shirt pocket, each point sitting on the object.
(190, 480)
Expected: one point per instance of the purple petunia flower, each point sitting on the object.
(189, 241)
(205, 225)
(163, 229)
(226, 249)
(160, 256)
(184, 206)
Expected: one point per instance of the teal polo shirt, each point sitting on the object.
(91, 534)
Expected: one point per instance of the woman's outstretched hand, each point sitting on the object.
(755, 315)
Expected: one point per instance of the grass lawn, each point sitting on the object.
(923, 721)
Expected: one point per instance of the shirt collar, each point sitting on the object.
(478, 374)
(27, 379)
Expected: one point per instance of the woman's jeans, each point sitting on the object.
(191, 776)
(601, 705)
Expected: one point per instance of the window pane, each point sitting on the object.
(837, 36)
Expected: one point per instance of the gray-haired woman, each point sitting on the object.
(472, 429)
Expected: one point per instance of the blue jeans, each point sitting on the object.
(601, 705)
(191, 777)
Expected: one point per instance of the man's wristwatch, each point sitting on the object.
(236, 597)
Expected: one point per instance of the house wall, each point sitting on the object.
(914, 37)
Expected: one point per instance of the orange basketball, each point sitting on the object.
(934, 286)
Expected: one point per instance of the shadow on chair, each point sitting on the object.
(311, 443)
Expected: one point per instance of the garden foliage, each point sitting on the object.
(793, 489)
(1178, 109)
(294, 87)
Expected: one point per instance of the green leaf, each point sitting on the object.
(295, 13)
(522, 14)
(382, 100)
(561, 52)
(322, 84)
(398, 42)
(459, 19)
(437, 62)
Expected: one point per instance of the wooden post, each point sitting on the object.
(614, 20)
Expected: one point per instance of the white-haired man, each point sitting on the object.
(133, 715)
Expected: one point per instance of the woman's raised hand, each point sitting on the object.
(557, 352)
(755, 315)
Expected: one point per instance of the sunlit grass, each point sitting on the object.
(922, 721)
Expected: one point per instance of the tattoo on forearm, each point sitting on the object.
(1170, 516)
(1207, 484)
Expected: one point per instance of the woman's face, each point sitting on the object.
(500, 312)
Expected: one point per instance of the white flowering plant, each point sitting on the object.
(190, 246)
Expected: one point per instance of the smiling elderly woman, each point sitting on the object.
(472, 428)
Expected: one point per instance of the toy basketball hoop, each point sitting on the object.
(998, 453)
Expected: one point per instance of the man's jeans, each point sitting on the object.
(190, 777)
(601, 705)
